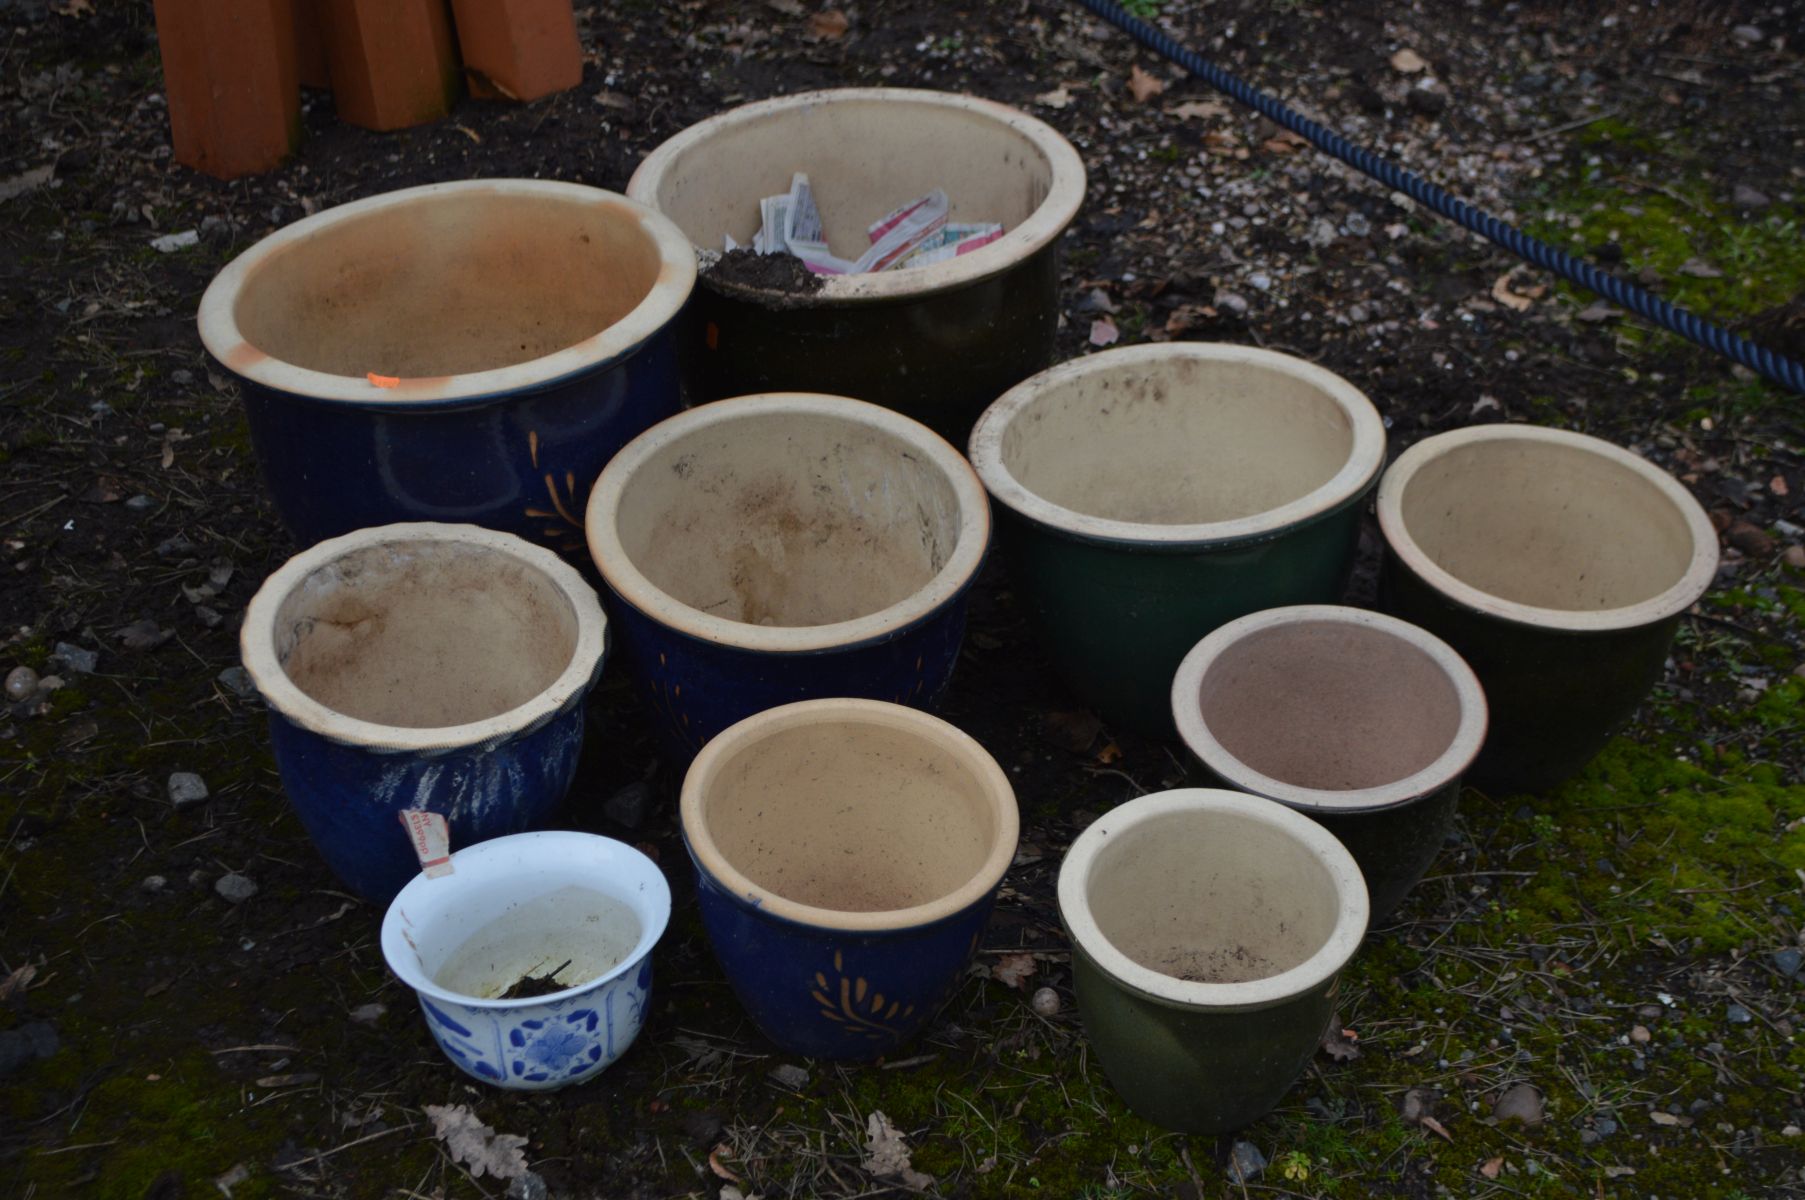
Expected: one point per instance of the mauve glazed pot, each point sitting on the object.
(1558, 566)
(938, 342)
(1149, 494)
(769, 549)
(1357, 720)
(422, 666)
(847, 854)
(1208, 931)
(525, 330)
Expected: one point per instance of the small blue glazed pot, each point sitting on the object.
(582, 909)
(847, 854)
(470, 351)
(432, 667)
(775, 548)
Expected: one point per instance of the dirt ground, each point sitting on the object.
(1595, 992)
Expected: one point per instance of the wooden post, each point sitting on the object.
(230, 76)
(518, 49)
(394, 62)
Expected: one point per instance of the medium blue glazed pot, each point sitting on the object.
(432, 667)
(847, 855)
(775, 548)
(518, 907)
(470, 352)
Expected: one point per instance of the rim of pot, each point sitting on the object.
(1672, 601)
(227, 343)
(257, 643)
(1065, 192)
(1195, 732)
(1343, 940)
(630, 584)
(1366, 454)
(402, 960)
(720, 749)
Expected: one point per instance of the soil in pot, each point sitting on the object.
(746, 268)
(507, 958)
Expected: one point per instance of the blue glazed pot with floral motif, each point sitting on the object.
(571, 917)
(776, 548)
(470, 351)
(847, 855)
(418, 666)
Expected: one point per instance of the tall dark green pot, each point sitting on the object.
(1208, 931)
(1558, 565)
(1358, 720)
(936, 343)
(1150, 494)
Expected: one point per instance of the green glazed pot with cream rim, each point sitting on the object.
(1208, 931)
(1149, 494)
(1558, 565)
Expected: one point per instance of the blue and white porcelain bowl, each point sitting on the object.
(583, 909)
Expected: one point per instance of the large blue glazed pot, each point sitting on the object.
(1150, 494)
(468, 352)
(847, 855)
(1559, 566)
(420, 666)
(768, 549)
(937, 342)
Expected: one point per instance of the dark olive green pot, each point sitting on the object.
(1194, 1070)
(1118, 617)
(940, 357)
(1556, 696)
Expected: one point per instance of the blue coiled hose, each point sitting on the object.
(1776, 367)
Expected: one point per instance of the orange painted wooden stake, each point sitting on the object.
(310, 45)
(393, 62)
(230, 77)
(518, 49)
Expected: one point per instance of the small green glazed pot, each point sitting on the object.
(1558, 565)
(1208, 931)
(1359, 721)
(936, 343)
(1152, 493)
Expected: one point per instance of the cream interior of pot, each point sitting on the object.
(851, 817)
(788, 519)
(1179, 442)
(863, 158)
(1548, 525)
(449, 284)
(1328, 705)
(425, 634)
(1212, 897)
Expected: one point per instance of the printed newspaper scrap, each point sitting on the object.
(915, 235)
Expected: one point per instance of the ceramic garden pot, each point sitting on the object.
(847, 853)
(1149, 494)
(434, 667)
(1208, 930)
(457, 352)
(1357, 720)
(775, 548)
(583, 910)
(937, 343)
(1559, 566)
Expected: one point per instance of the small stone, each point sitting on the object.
(1748, 35)
(154, 883)
(237, 680)
(1736, 1014)
(368, 1014)
(1356, 225)
(790, 1076)
(215, 228)
(1794, 557)
(210, 617)
(1640, 1035)
(235, 888)
(1790, 1131)
(1357, 314)
(140, 503)
(1231, 302)
(1604, 1126)
(1748, 199)
(630, 805)
(1752, 540)
(27, 1043)
(1245, 1162)
(1427, 97)
(175, 547)
(1787, 961)
(82, 662)
(1322, 233)
(1522, 1102)
(1045, 1002)
(527, 1186)
(182, 376)
(21, 683)
(186, 788)
(50, 683)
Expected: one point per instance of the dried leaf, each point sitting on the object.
(1074, 730)
(1491, 1167)
(1502, 294)
(1408, 61)
(887, 1153)
(789, 8)
(1667, 1118)
(29, 181)
(73, 8)
(1434, 1126)
(1338, 1043)
(1059, 97)
(1598, 310)
(714, 1163)
(1104, 332)
(18, 981)
(143, 634)
(1110, 753)
(1698, 268)
(477, 1146)
(1778, 486)
(1199, 109)
(829, 26)
(1014, 970)
(1142, 86)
